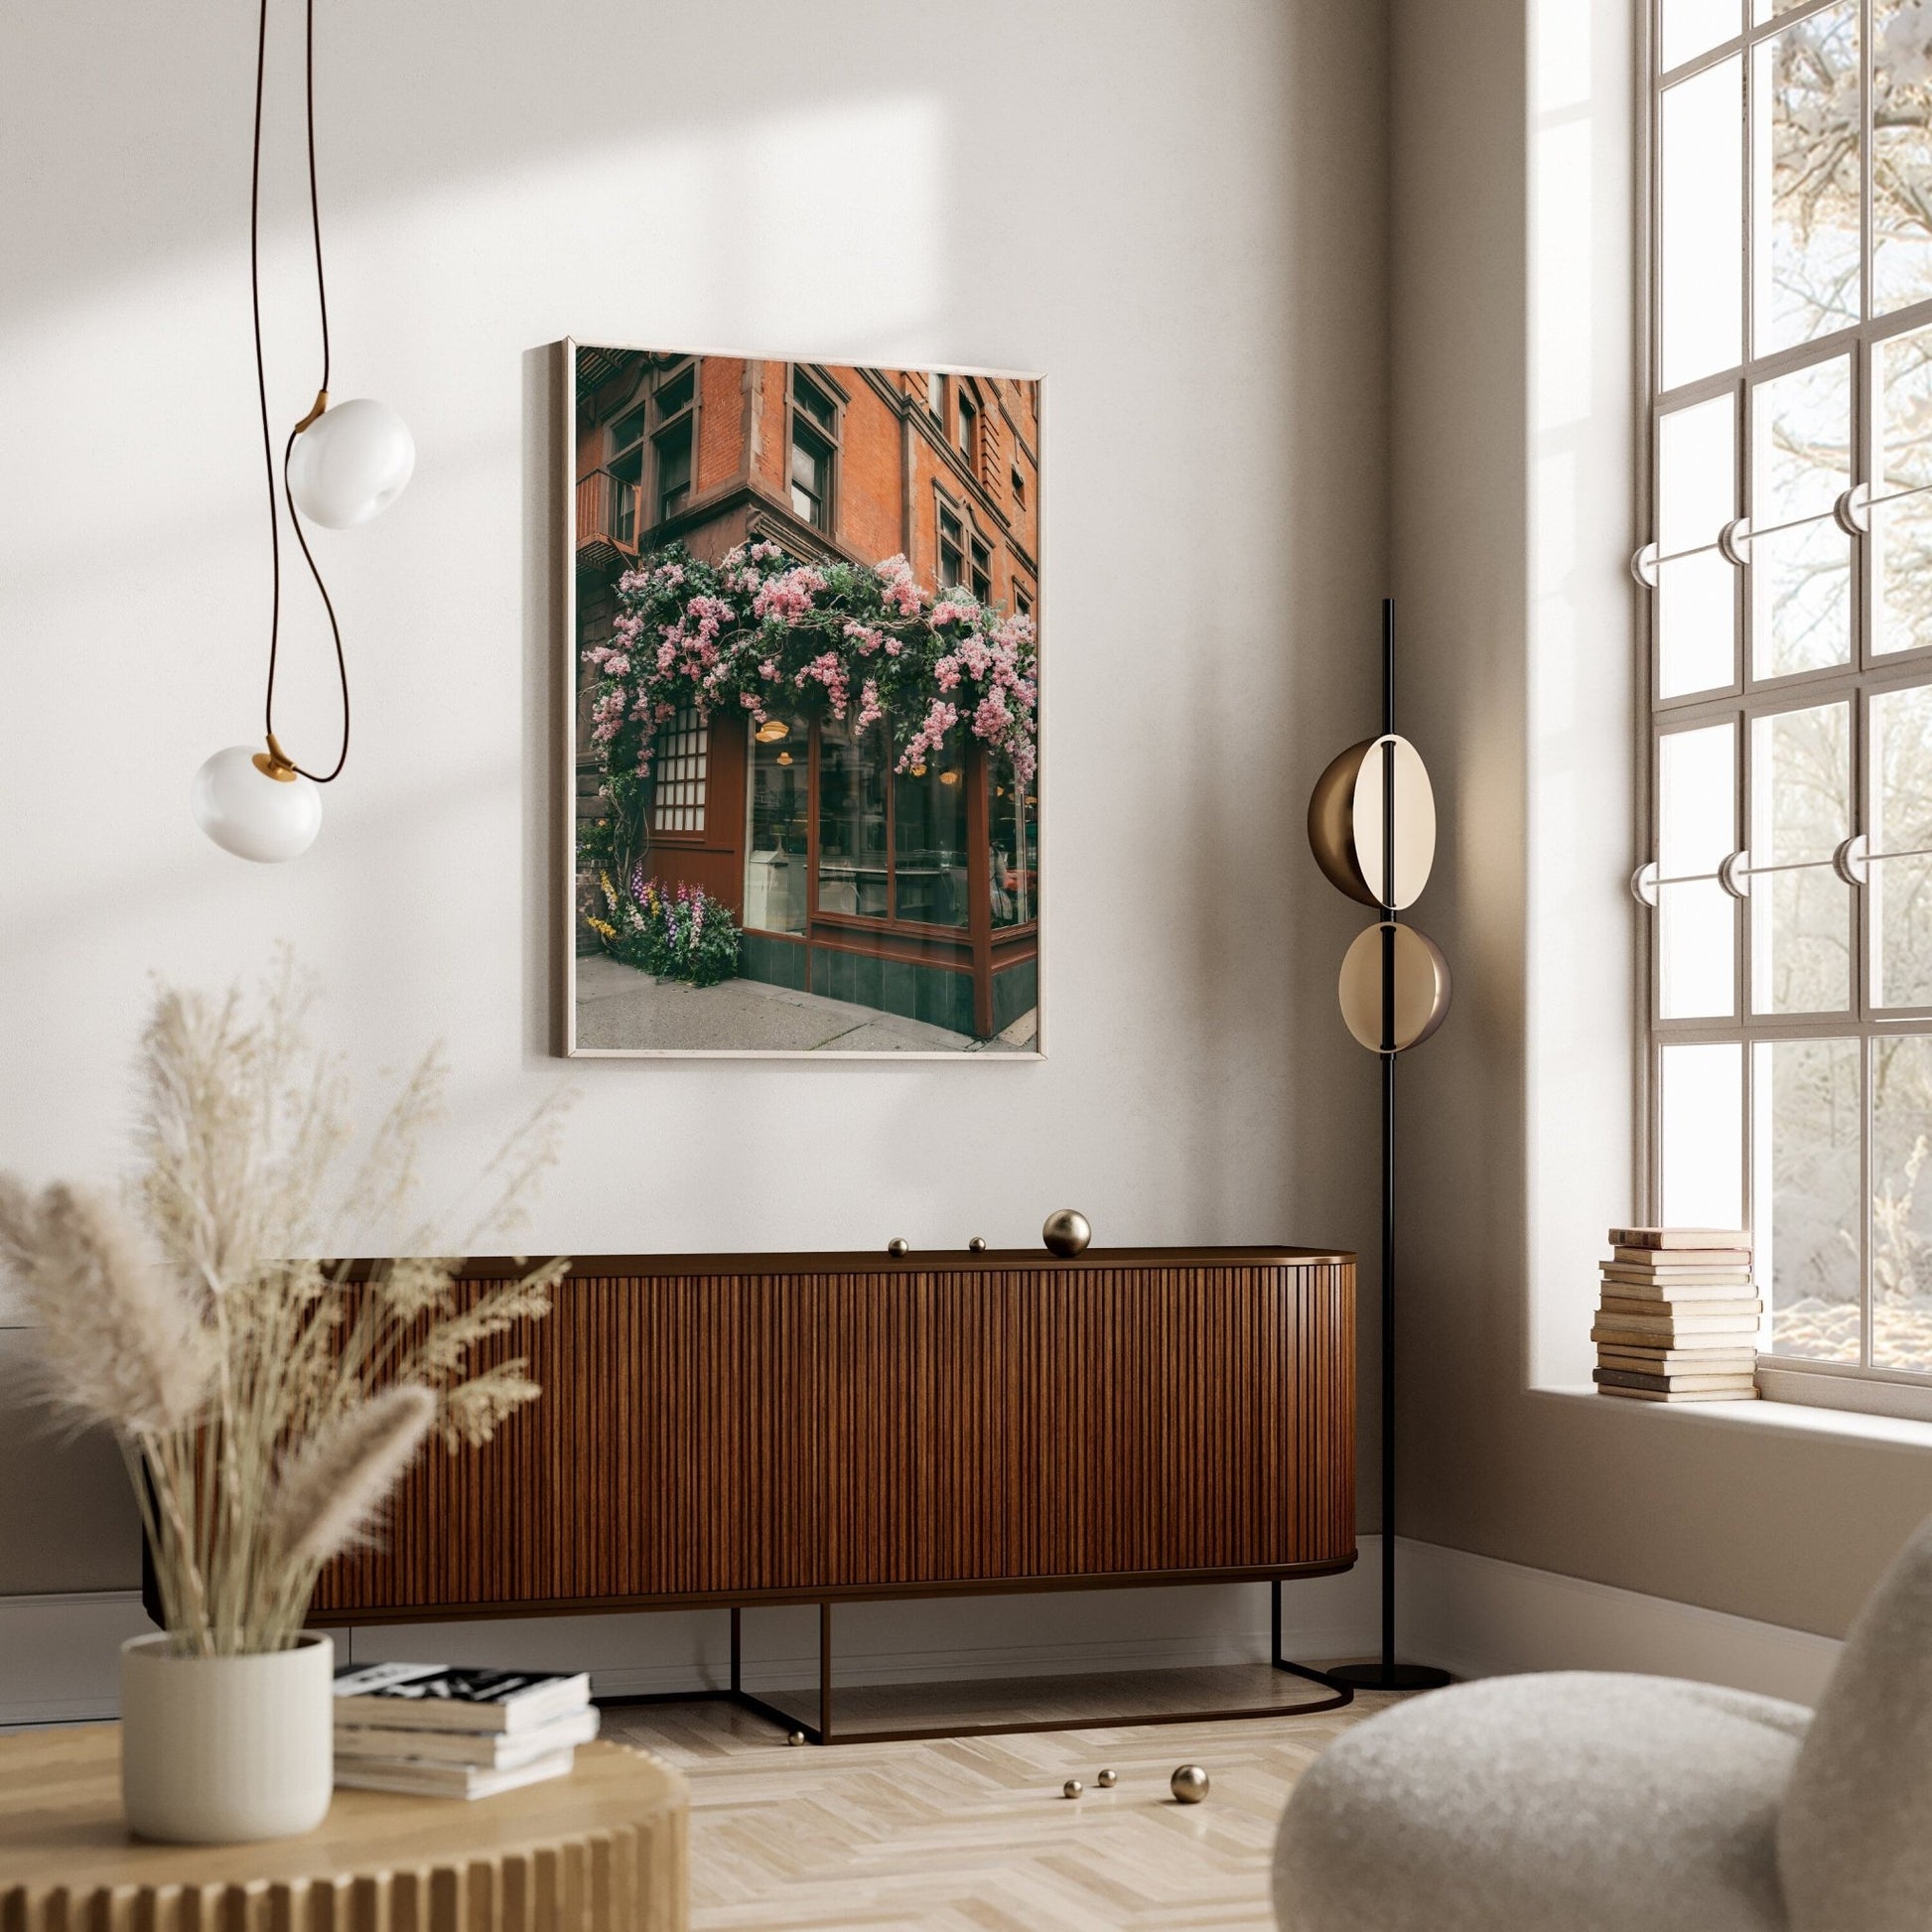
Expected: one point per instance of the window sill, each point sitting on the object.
(1797, 1418)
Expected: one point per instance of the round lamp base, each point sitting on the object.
(1399, 1677)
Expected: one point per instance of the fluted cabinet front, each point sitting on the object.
(738, 1430)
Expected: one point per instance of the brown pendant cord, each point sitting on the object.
(261, 389)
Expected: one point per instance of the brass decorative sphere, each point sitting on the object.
(794, 1737)
(1066, 1231)
(1108, 1779)
(1071, 1788)
(977, 1245)
(898, 1245)
(1188, 1784)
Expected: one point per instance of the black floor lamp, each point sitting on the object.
(1372, 827)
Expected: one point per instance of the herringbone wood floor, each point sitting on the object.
(972, 1835)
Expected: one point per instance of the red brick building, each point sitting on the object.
(911, 892)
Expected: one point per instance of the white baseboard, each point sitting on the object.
(1480, 1617)
(60, 1656)
(1475, 1615)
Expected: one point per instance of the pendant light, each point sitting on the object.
(341, 466)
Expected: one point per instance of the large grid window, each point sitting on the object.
(684, 746)
(1790, 568)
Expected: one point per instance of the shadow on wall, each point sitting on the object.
(1163, 207)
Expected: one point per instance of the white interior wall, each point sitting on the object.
(1175, 210)
(1177, 213)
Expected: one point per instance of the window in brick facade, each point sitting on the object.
(952, 550)
(627, 466)
(1018, 486)
(673, 469)
(813, 427)
(969, 430)
(982, 570)
(936, 394)
(677, 392)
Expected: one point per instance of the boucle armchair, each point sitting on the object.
(1587, 1802)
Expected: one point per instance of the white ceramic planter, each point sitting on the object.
(219, 1750)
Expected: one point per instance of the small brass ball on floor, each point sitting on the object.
(1071, 1788)
(1107, 1780)
(898, 1245)
(1188, 1784)
(1066, 1232)
(794, 1737)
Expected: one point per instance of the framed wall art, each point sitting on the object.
(803, 645)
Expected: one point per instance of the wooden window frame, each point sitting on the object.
(684, 835)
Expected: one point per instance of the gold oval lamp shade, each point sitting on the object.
(1421, 988)
(1345, 822)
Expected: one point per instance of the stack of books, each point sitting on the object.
(457, 1733)
(1678, 1316)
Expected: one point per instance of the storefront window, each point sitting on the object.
(929, 842)
(774, 870)
(1013, 842)
(852, 854)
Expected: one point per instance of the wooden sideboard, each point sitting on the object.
(744, 1430)
(766, 1429)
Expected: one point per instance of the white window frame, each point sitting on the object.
(1844, 1386)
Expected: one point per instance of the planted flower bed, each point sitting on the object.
(679, 932)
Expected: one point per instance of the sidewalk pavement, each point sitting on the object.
(618, 1007)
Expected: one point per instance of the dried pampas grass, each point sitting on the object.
(329, 1494)
(268, 1405)
(120, 1339)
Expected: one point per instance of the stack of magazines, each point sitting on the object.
(457, 1733)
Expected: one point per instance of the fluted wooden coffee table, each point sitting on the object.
(600, 1850)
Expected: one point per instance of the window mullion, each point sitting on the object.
(1868, 1061)
(1747, 255)
(1865, 160)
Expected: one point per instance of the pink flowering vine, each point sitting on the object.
(774, 636)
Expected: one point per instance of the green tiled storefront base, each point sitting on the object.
(1015, 991)
(934, 994)
(771, 962)
(928, 993)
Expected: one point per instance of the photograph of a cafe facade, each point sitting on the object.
(914, 892)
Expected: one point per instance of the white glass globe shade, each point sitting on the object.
(251, 815)
(350, 464)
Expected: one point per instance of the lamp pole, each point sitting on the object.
(1387, 1674)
